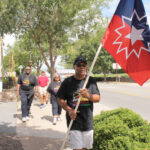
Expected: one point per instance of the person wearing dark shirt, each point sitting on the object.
(53, 89)
(25, 88)
(81, 134)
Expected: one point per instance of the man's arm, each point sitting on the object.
(18, 88)
(91, 97)
(66, 107)
(94, 98)
(36, 88)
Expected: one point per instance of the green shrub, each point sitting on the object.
(121, 129)
(8, 82)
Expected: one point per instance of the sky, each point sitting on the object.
(113, 5)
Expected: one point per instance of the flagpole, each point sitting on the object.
(85, 83)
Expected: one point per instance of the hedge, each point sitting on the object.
(121, 129)
(8, 82)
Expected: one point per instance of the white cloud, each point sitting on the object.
(9, 40)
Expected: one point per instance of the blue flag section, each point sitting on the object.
(127, 39)
(139, 20)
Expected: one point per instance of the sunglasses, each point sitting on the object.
(81, 65)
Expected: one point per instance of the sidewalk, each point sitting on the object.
(38, 133)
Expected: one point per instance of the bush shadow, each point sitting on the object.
(8, 138)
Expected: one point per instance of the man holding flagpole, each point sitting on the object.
(81, 134)
(127, 39)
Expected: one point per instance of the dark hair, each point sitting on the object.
(55, 75)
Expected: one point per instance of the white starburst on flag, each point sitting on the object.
(136, 34)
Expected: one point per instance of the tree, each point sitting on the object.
(46, 21)
(23, 52)
(88, 47)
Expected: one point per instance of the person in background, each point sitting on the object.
(81, 134)
(52, 90)
(43, 83)
(27, 83)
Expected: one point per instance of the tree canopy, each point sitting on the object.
(87, 47)
(23, 52)
(49, 23)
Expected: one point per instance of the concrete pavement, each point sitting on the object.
(40, 123)
(39, 132)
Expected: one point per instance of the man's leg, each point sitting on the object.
(41, 96)
(75, 140)
(23, 98)
(44, 95)
(30, 99)
(41, 99)
(87, 139)
(81, 140)
(44, 99)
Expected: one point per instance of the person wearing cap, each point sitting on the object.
(43, 84)
(27, 83)
(81, 133)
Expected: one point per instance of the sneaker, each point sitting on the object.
(54, 121)
(27, 118)
(24, 119)
(58, 119)
(42, 106)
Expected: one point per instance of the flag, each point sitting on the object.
(127, 39)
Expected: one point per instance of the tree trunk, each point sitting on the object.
(38, 70)
(52, 59)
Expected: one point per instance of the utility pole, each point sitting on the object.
(12, 65)
(9, 65)
(2, 65)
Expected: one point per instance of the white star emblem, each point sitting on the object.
(135, 35)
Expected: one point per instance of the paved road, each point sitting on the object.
(127, 95)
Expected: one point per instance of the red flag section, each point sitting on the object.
(127, 39)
